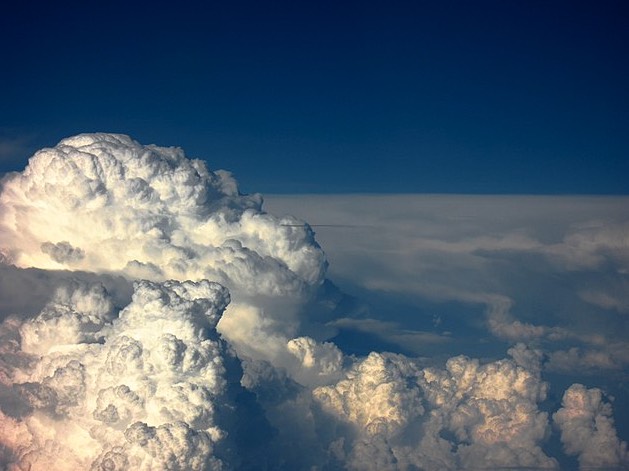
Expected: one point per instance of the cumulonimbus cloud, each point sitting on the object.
(105, 203)
(175, 329)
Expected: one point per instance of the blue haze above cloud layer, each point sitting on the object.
(493, 333)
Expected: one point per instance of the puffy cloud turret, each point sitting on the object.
(104, 202)
(144, 390)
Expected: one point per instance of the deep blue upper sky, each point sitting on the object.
(438, 96)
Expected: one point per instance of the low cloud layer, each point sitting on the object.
(153, 318)
(548, 270)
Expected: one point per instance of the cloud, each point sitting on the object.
(104, 203)
(319, 363)
(399, 415)
(152, 317)
(412, 341)
(592, 244)
(551, 270)
(612, 296)
(25, 292)
(158, 366)
(587, 429)
(144, 387)
(591, 359)
(97, 210)
(547, 271)
(107, 203)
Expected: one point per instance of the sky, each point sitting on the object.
(288, 235)
(407, 97)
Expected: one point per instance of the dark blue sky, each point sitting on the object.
(451, 97)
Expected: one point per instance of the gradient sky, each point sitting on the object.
(298, 97)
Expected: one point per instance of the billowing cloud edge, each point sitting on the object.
(150, 385)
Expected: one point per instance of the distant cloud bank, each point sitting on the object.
(154, 318)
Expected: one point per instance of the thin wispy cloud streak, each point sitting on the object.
(161, 320)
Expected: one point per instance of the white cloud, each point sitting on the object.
(588, 431)
(105, 203)
(140, 387)
(152, 317)
(468, 415)
(318, 363)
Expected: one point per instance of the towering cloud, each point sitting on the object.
(139, 387)
(104, 203)
(141, 390)
(587, 429)
(154, 318)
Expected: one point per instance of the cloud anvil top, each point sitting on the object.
(153, 317)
